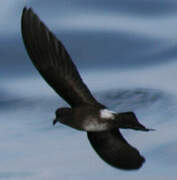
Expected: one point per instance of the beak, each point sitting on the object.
(54, 122)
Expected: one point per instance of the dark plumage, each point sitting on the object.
(53, 62)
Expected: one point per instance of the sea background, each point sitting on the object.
(126, 52)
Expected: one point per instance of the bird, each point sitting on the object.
(85, 113)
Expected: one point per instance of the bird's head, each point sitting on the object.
(63, 115)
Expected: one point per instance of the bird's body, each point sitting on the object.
(92, 119)
(85, 118)
(53, 62)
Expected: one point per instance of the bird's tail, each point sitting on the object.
(128, 120)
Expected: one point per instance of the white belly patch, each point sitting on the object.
(95, 126)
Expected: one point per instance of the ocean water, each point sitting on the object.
(126, 52)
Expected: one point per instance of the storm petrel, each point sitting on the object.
(55, 65)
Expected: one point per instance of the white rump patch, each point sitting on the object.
(107, 114)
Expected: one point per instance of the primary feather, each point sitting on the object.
(52, 61)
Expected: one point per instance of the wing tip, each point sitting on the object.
(116, 153)
(25, 14)
(134, 166)
(27, 11)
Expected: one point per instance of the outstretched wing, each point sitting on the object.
(113, 149)
(52, 60)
